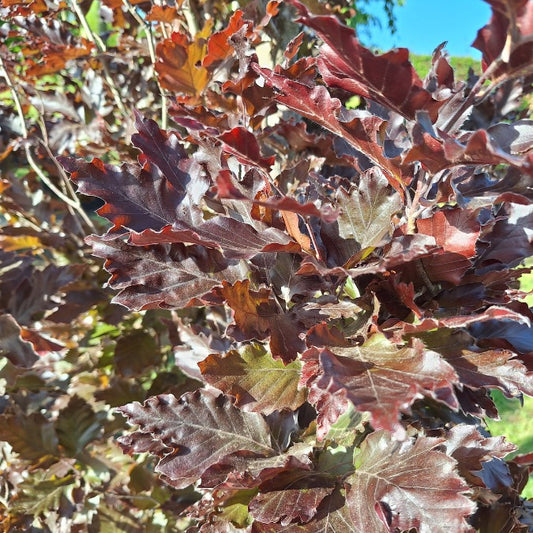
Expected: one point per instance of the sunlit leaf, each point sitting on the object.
(258, 382)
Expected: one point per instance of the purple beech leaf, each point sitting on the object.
(378, 377)
(163, 150)
(480, 149)
(254, 312)
(257, 381)
(227, 189)
(32, 436)
(135, 199)
(332, 516)
(196, 343)
(285, 203)
(492, 368)
(506, 39)
(500, 144)
(34, 291)
(160, 276)
(460, 321)
(446, 266)
(201, 429)
(367, 209)
(139, 442)
(514, 138)
(480, 457)
(12, 346)
(237, 240)
(470, 448)
(389, 79)
(291, 496)
(244, 146)
(289, 504)
(480, 190)
(511, 238)
(357, 128)
(512, 334)
(402, 485)
(399, 251)
(165, 188)
(238, 471)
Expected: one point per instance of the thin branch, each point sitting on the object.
(100, 45)
(472, 95)
(74, 203)
(66, 182)
(151, 50)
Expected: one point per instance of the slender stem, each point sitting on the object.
(153, 59)
(422, 186)
(90, 34)
(66, 182)
(73, 203)
(100, 45)
(469, 100)
(313, 239)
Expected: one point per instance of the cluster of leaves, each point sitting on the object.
(71, 74)
(321, 298)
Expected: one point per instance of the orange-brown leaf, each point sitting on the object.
(253, 310)
(180, 63)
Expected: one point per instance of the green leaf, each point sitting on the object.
(40, 496)
(347, 426)
(77, 425)
(136, 353)
(258, 382)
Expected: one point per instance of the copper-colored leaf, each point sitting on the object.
(219, 45)
(179, 64)
(455, 230)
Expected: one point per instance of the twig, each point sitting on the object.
(74, 203)
(66, 182)
(469, 100)
(151, 50)
(100, 45)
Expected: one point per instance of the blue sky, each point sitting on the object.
(423, 24)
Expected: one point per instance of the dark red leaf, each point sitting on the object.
(378, 377)
(388, 79)
(236, 240)
(290, 496)
(156, 276)
(493, 368)
(404, 485)
(332, 516)
(506, 39)
(200, 428)
(315, 103)
(19, 352)
(511, 237)
(244, 146)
